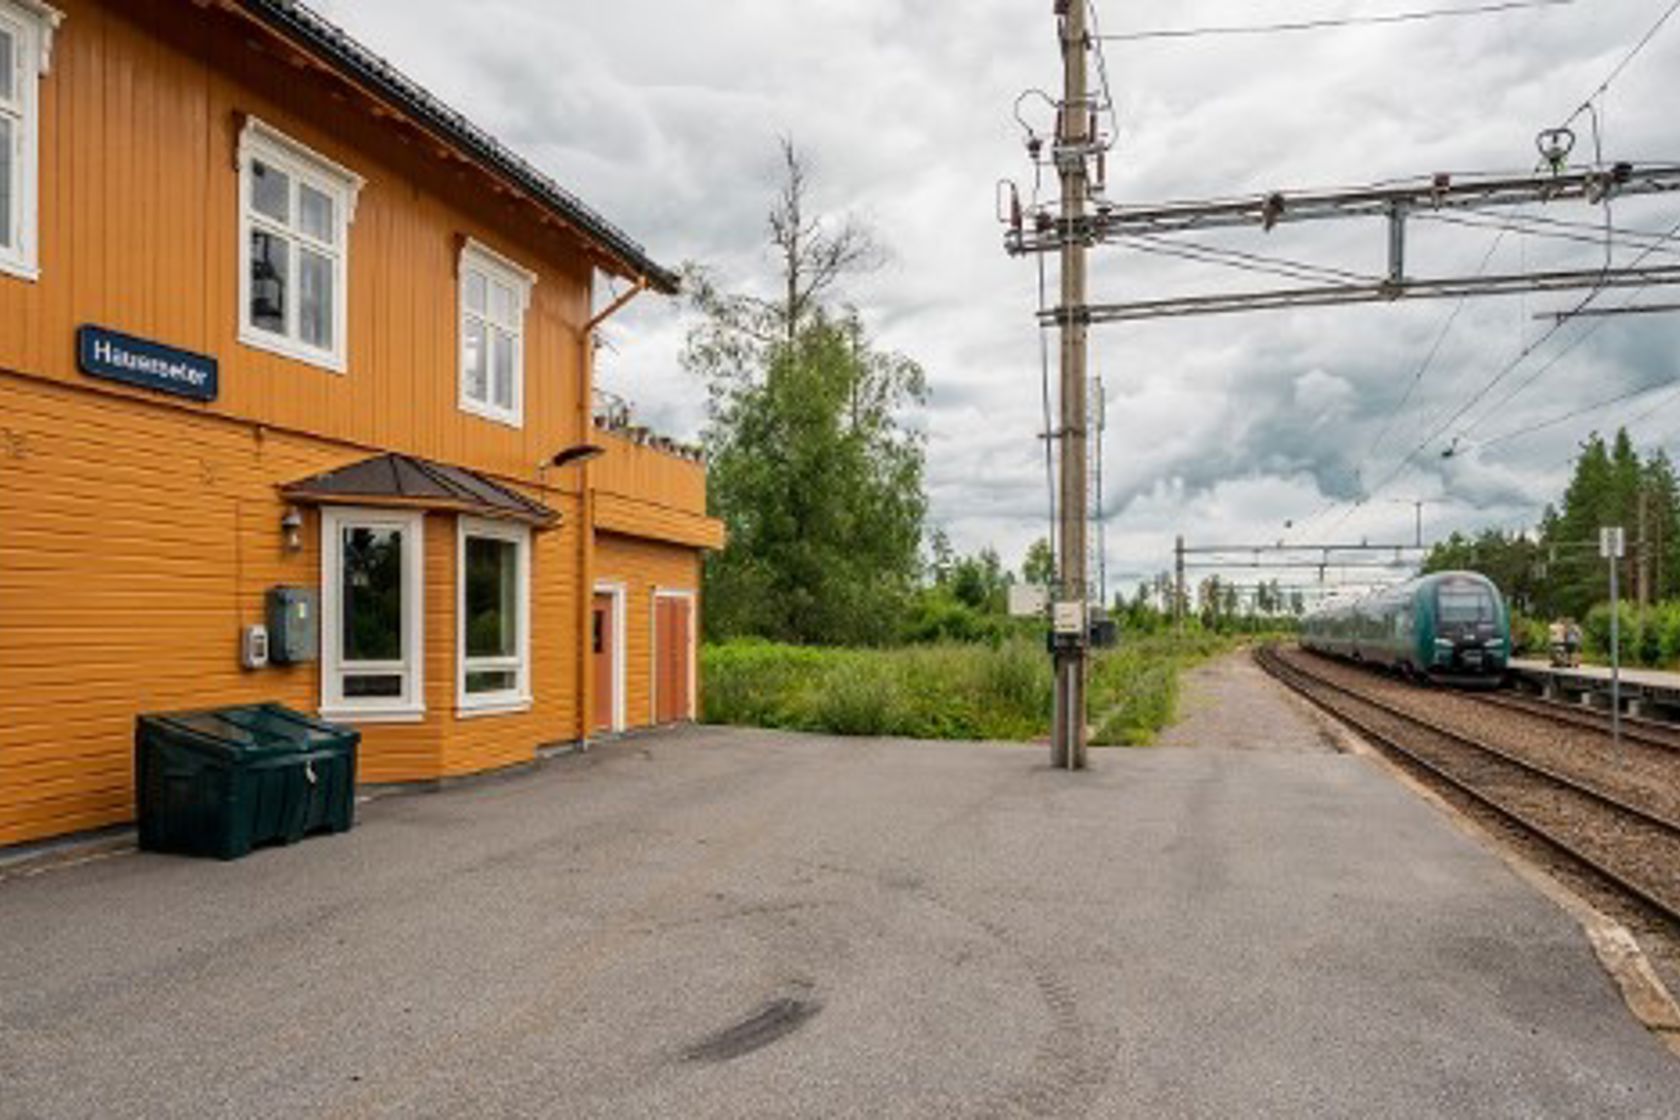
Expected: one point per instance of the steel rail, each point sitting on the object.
(1292, 677)
(1634, 729)
(1655, 819)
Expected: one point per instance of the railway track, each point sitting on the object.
(1634, 729)
(1635, 850)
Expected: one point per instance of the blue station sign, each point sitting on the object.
(150, 365)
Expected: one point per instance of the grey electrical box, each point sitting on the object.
(294, 632)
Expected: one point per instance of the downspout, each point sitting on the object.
(586, 501)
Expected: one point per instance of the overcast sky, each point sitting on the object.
(664, 115)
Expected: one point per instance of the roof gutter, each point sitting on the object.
(301, 24)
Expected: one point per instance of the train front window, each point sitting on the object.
(1465, 605)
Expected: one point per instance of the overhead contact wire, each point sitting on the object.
(1328, 22)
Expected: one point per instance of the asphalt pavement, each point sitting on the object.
(735, 923)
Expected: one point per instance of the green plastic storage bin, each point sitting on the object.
(222, 781)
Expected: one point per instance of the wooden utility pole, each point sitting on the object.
(1178, 584)
(1073, 140)
(1099, 424)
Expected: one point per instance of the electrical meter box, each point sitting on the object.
(294, 630)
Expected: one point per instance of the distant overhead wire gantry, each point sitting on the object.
(1110, 223)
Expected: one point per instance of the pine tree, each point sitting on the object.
(1571, 546)
(1662, 516)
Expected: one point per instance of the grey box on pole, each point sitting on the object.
(294, 630)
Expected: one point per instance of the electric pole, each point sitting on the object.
(1073, 125)
(1178, 584)
(1099, 546)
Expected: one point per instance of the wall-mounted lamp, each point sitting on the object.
(291, 529)
(582, 453)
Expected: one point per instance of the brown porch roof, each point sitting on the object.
(411, 482)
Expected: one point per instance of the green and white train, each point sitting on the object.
(1451, 627)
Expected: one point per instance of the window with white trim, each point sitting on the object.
(295, 210)
(495, 294)
(494, 609)
(371, 614)
(26, 29)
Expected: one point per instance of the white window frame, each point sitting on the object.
(518, 698)
(410, 707)
(620, 594)
(494, 268)
(260, 141)
(31, 25)
(693, 598)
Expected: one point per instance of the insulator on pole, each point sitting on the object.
(1009, 212)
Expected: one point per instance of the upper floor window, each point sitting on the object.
(495, 293)
(26, 28)
(295, 209)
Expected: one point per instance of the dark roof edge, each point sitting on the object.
(337, 46)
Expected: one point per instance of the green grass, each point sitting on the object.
(1134, 689)
(947, 691)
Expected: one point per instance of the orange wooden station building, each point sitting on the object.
(296, 404)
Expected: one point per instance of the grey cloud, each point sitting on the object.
(664, 117)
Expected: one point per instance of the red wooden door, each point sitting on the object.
(601, 631)
(673, 635)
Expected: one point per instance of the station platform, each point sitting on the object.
(727, 922)
(1644, 692)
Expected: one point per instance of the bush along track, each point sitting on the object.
(996, 691)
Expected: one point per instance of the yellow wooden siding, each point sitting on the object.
(139, 532)
(617, 514)
(639, 471)
(139, 232)
(134, 544)
(645, 492)
(643, 567)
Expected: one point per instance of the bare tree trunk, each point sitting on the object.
(813, 258)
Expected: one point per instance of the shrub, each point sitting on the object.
(855, 697)
(943, 691)
(1528, 635)
(1668, 633)
(1642, 633)
(1134, 689)
(757, 683)
(937, 616)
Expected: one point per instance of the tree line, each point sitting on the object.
(1555, 570)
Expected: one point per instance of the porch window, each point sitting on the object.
(495, 616)
(371, 573)
(295, 212)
